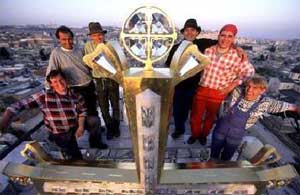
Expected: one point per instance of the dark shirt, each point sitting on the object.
(193, 81)
(60, 112)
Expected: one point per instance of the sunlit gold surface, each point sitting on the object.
(111, 56)
(185, 50)
(37, 153)
(229, 176)
(160, 82)
(263, 155)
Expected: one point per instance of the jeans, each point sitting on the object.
(67, 143)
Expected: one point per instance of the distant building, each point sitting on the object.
(295, 73)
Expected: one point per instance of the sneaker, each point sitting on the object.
(191, 140)
(202, 140)
(176, 134)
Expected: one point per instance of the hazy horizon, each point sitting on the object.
(272, 19)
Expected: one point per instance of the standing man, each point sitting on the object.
(63, 110)
(246, 108)
(68, 60)
(107, 89)
(184, 91)
(226, 71)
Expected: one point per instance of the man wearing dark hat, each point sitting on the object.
(184, 91)
(68, 59)
(107, 89)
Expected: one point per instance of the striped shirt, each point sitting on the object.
(224, 69)
(266, 105)
(60, 112)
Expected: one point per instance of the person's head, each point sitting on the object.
(57, 81)
(226, 36)
(65, 37)
(97, 34)
(190, 30)
(255, 87)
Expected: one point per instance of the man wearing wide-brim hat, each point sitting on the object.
(184, 91)
(95, 27)
(107, 89)
(97, 35)
(191, 23)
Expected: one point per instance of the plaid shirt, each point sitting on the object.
(224, 69)
(61, 112)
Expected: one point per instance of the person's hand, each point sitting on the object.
(79, 132)
(242, 54)
(298, 109)
(229, 88)
(6, 119)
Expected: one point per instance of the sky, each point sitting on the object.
(273, 19)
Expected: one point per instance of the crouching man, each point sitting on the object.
(64, 113)
(245, 109)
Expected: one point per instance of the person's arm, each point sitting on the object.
(231, 99)
(242, 54)
(276, 106)
(80, 129)
(294, 108)
(53, 65)
(6, 120)
(89, 47)
(14, 109)
(82, 113)
(205, 43)
(236, 93)
(231, 86)
(86, 50)
(170, 56)
(53, 62)
(212, 42)
(245, 71)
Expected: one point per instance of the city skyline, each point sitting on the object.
(256, 19)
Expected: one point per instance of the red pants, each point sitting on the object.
(206, 104)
